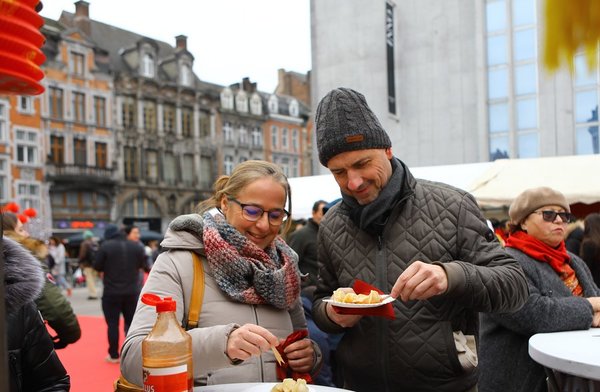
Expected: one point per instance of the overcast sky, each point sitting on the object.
(229, 39)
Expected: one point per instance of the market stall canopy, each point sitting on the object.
(577, 177)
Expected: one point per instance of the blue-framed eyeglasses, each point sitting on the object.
(253, 213)
(550, 216)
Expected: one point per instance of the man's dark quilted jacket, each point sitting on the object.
(416, 352)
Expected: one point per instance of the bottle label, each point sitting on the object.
(173, 379)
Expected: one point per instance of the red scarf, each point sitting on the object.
(558, 258)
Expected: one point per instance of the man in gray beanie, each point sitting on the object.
(425, 243)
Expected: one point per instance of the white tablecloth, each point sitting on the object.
(259, 387)
(571, 352)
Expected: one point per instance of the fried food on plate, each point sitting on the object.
(291, 385)
(350, 297)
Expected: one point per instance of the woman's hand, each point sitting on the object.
(248, 340)
(300, 355)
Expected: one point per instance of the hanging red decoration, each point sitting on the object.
(11, 207)
(23, 218)
(30, 212)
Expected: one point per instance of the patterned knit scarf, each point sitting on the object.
(247, 273)
(558, 258)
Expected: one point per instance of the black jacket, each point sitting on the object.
(33, 363)
(120, 260)
(304, 242)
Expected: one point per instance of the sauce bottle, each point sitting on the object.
(166, 351)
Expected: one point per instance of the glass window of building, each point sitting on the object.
(187, 116)
(169, 118)
(187, 174)
(3, 121)
(586, 106)
(77, 63)
(186, 75)
(206, 177)
(152, 166)
(498, 147)
(256, 105)
(170, 169)
(525, 45)
(79, 152)
(527, 113)
(228, 132)
(130, 163)
(149, 113)
(295, 140)
(497, 50)
(148, 65)
(241, 102)
(587, 140)
(79, 107)
(274, 137)
(524, 12)
(528, 145)
(294, 109)
(498, 83)
(498, 116)
(55, 102)
(25, 105)
(4, 193)
(128, 112)
(285, 166)
(57, 149)
(100, 111)
(228, 164)
(141, 207)
(227, 99)
(257, 139)
(28, 194)
(273, 104)
(26, 147)
(101, 152)
(284, 138)
(243, 135)
(204, 119)
(495, 16)
(525, 79)
(584, 76)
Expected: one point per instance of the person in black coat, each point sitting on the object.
(120, 262)
(590, 245)
(33, 363)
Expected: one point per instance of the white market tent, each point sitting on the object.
(577, 177)
(494, 184)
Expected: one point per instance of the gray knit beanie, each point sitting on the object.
(344, 122)
(532, 199)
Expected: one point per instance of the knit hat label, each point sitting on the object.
(355, 138)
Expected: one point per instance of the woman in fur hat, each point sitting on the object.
(563, 295)
(33, 363)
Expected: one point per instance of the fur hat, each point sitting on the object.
(532, 199)
(344, 122)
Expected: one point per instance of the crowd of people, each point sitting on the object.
(469, 292)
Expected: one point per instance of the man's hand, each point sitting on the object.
(420, 281)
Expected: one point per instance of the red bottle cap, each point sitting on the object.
(162, 304)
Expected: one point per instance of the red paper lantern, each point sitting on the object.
(30, 212)
(23, 218)
(11, 207)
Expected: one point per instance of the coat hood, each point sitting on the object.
(184, 232)
(23, 275)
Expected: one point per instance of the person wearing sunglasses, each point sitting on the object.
(563, 295)
(252, 283)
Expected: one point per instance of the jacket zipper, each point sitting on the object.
(13, 368)
(260, 358)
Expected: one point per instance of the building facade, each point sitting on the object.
(455, 81)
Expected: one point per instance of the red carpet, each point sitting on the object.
(84, 360)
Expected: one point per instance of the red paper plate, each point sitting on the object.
(20, 65)
(22, 12)
(25, 31)
(21, 48)
(12, 82)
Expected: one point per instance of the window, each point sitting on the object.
(186, 75)
(100, 111)
(227, 99)
(204, 124)
(142, 207)
(79, 107)
(525, 45)
(228, 164)
(294, 109)
(25, 104)
(187, 174)
(4, 194)
(170, 168)
(101, 154)
(257, 140)
(128, 112)
(151, 166)
(187, 115)
(495, 16)
(498, 83)
(273, 104)
(150, 116)
(79, 152)
(294, 172)
(243, 136)
(28, 194)
(285, 166)
(148, 65)
(57, 150)
(228, 132)
(169, 118)
(76, 64)
(206, 172)
(256, 105)
(55, 95)
(26, 147)
(87, 205)
(130, 164)
(3, 121)
(284, 138)
(274, 137)
(241, 102)
(295, 140)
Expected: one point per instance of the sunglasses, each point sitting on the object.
(253, 213)
(550, 216)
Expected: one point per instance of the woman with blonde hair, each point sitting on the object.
(252, 283)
